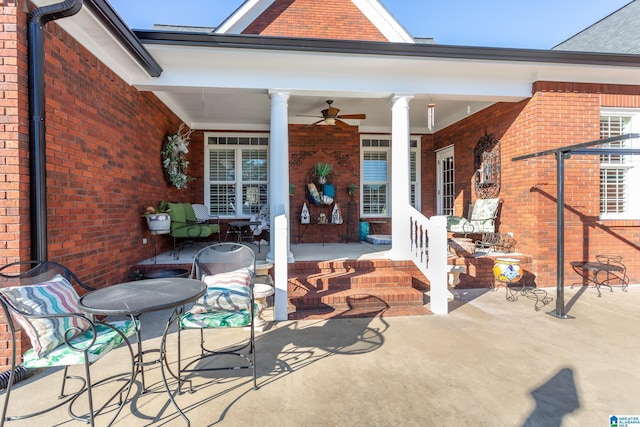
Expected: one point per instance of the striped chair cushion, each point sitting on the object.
(106, 340)
(226, 303)
(56, 296)
(225, 291)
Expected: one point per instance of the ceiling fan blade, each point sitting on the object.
(307, 115)
(352, 116)
(342, 124)
(315, 123)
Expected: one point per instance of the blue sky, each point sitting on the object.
(532, 24)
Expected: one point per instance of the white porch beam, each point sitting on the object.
(400, 178)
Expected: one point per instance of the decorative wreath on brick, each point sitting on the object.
(174, 163)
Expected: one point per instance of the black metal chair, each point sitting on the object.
(39, 298)
(228, 269)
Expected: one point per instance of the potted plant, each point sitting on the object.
(352, 189)
(158, 218)
(322, 171)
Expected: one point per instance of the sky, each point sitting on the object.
(528, 24)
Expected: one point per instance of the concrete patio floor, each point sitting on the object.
(490, 362)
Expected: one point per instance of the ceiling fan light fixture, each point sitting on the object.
(331, 121)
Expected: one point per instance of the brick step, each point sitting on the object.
(372, 299)
(350, 280)
(339, 266)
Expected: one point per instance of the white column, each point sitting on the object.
(400, 177)
(278, 164)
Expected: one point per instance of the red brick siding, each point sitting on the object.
(428, 176)
(14, 149)
(329, 19)
(14, 208)
(309, 145)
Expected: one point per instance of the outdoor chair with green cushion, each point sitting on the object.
(185, 225)
(228, 269)
(39, 298)
(481, 220)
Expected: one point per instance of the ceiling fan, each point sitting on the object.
(331, 117)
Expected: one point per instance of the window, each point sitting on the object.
(376, 173)
(617, 172)
(236, 174)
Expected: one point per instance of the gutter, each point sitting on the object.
(416, 50)
(37, 126)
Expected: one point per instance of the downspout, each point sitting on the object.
(37, 127)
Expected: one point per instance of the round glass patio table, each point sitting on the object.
(144, 296)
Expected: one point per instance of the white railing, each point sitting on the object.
(428, 240)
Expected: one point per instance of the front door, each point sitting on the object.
(446, 185)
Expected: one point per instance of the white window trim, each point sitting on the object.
(207, 148)
(417, 149)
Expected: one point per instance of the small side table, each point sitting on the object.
(153, 241)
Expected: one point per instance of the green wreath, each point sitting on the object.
(174, 162)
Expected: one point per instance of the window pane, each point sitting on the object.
(374, 198)
(254, 196)
(613, 191)
(254, 165)
(611, 126)
(375, 166)
(448, 185)
(222, 165)
(222, 199)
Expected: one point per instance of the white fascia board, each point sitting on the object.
(248, 12)
(384, 21)
(313, 71)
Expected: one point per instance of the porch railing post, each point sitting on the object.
(280, 238)
(438, 268)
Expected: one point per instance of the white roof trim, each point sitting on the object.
(250, 10)
(384, 21)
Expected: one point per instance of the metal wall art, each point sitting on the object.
(487, 167)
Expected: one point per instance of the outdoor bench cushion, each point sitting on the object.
(184, 223)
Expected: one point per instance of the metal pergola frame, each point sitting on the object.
(561, 154)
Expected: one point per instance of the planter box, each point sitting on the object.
(159, 223)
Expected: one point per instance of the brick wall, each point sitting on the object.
(309, 145)
(329, 19)
(14, 149)
(103, 163)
